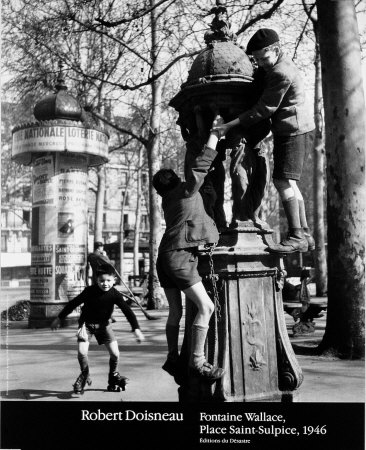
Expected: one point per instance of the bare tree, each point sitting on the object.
(136, 237)
(154, 161)
(344, 106)
(109, 48)
(99, 204)
(319, 186)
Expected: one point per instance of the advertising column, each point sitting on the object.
(60, 153)
(59, 233)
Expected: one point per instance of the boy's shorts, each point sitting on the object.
(178, 268)
(103, 333)
(289, 154)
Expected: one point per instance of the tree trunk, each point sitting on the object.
(136, 238)
(99, 205)
(344, 106)
(319, 185)
(154, 165)
(122, 236)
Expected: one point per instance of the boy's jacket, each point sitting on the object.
(187, 223)
(283, 100)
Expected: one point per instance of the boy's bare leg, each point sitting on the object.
(174, 298)
(198, 295)
(284, 188)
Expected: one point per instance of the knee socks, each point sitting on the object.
(291, 207)
(199, 334)
(113, 364)
(83, 362)
(302, 214)
(172, 336)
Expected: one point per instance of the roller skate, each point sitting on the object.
(80, 383)
(116, 382)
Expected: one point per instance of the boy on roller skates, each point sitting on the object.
(98, 304)
(187, 227)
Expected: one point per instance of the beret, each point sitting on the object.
(262, 39)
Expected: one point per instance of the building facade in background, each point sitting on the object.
(16, 207)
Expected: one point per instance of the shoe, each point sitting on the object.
(170, 366)
(175, 369)
(290, 245)
(207, 372)
(295, 242)
(311, 241)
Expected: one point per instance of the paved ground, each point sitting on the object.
(41, 365)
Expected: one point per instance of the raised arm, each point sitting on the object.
(201, 165)
(269, 102)
(265, 107)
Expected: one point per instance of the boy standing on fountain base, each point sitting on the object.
(98, 303)
(283, 101)
(187, 227)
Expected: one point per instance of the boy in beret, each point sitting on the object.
(292, 125)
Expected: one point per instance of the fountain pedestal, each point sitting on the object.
(247, 335)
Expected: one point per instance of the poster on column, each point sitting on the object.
(71, 224)
(41, 273)
(69, 270)
(43, 181)
(42, 262)
(43, 214)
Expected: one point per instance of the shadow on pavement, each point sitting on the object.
(308, 350)
(93, 347)
(35, 394)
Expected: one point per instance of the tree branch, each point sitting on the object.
(265, 15)
(119, 129)
(308, 10)
(104, 33)
(149, 80)
(299, 39)
(119, 147)
(130, 19)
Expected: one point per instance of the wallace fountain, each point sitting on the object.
(247, 335)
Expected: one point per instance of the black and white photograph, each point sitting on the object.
(183, 224)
